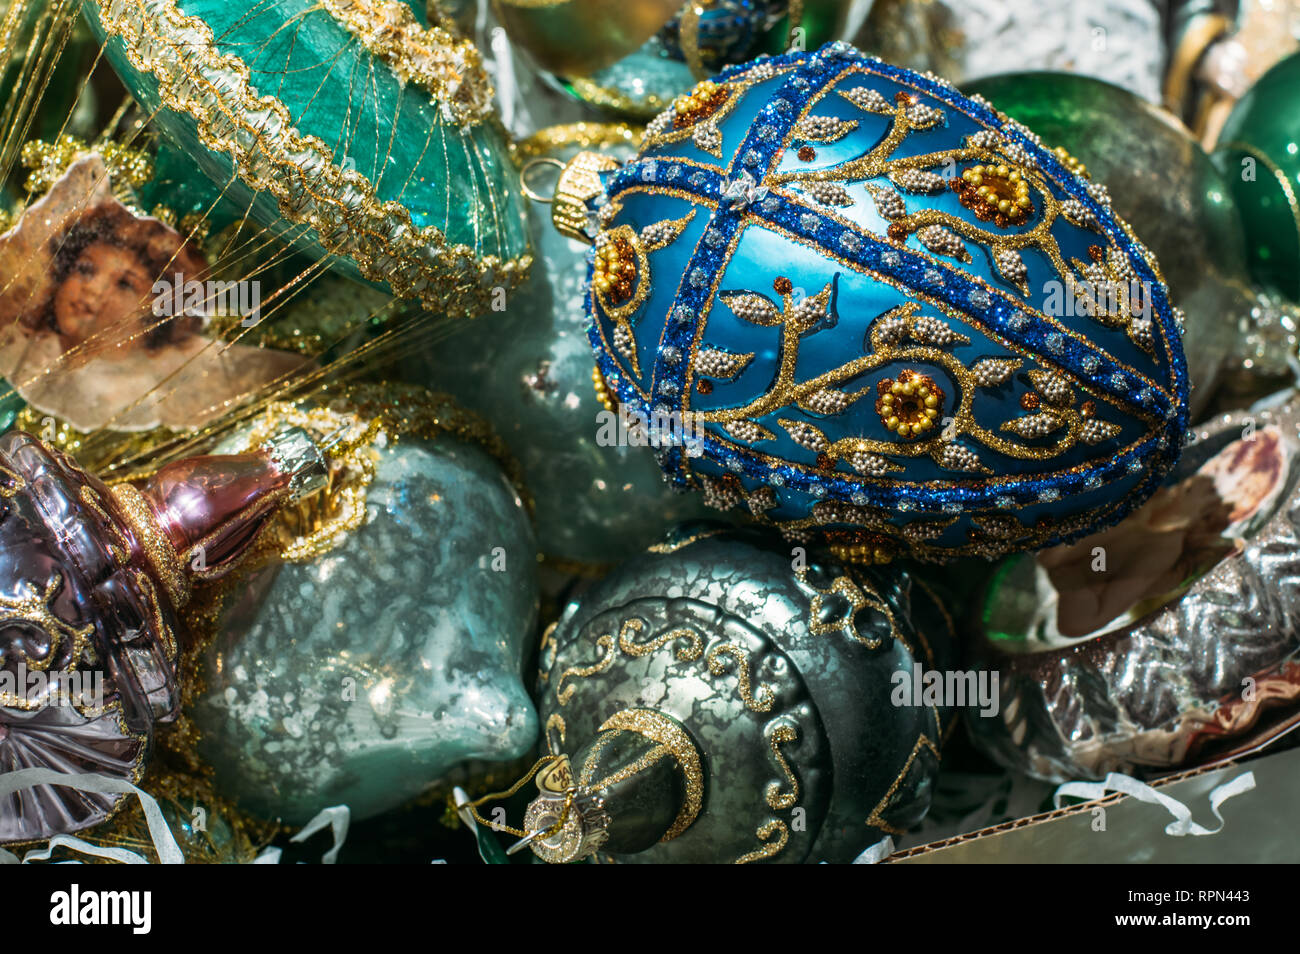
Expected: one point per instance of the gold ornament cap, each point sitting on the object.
(578, 183)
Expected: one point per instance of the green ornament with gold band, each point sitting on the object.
(347, 127)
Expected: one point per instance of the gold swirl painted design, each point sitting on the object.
(689, 653)
(718, 666)
(271, 155)
(777, 799)
(32, 606)
(774, 834)
(564, 693)
(680, 744)
(858, 599)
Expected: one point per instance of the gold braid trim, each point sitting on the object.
(448, 68)
(271, 155)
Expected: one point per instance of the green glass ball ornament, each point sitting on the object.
(1162, 183)
(380, 649)
(720, 699)
(347, 126)
(1259, 152)
(531, 375)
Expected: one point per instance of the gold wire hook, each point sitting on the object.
(523, 177)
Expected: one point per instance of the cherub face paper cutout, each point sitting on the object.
(90, 328)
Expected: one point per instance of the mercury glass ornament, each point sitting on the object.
(360, 666)
(720, 699)
(869, 309)
(402, 179)
(1163, 184)
(1168, 641)
(91, 581)
(531, 374)
(1118, 41)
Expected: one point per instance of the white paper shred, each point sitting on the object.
(1182, 823)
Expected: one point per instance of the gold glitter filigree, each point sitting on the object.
(674, 740)
(688, 653)
(857, 597)
(32, 606)
(775, 834)
(157, 549)
(128, 167)
(717, 665)
(774, 797)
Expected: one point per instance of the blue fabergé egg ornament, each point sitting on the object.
(865, 307)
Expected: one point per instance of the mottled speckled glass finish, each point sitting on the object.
(530, 375)
(362, 676)
(817, 659)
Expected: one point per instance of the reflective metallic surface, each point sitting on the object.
(530, 374)
(1197, 678)
(89, 585)
(71, 606)
(1259, 153)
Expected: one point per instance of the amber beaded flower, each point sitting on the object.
(910, 405)
(1000, 193)
(700, 103)
(614, 274)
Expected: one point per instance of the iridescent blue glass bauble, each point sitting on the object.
(860, 304)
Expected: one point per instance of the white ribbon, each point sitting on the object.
(169, 853)
(337, 818)
(1182, 823)
(876, 853)
(164, 843)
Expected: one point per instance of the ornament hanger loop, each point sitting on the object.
(528, 167)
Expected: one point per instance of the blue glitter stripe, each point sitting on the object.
(964, 294)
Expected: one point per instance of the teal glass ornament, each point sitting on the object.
(363, 674)
(717, 701)
(530, 374)
(10, 405)
(863, 306)
(403, 179)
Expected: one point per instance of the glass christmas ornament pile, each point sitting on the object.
(875, 316)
